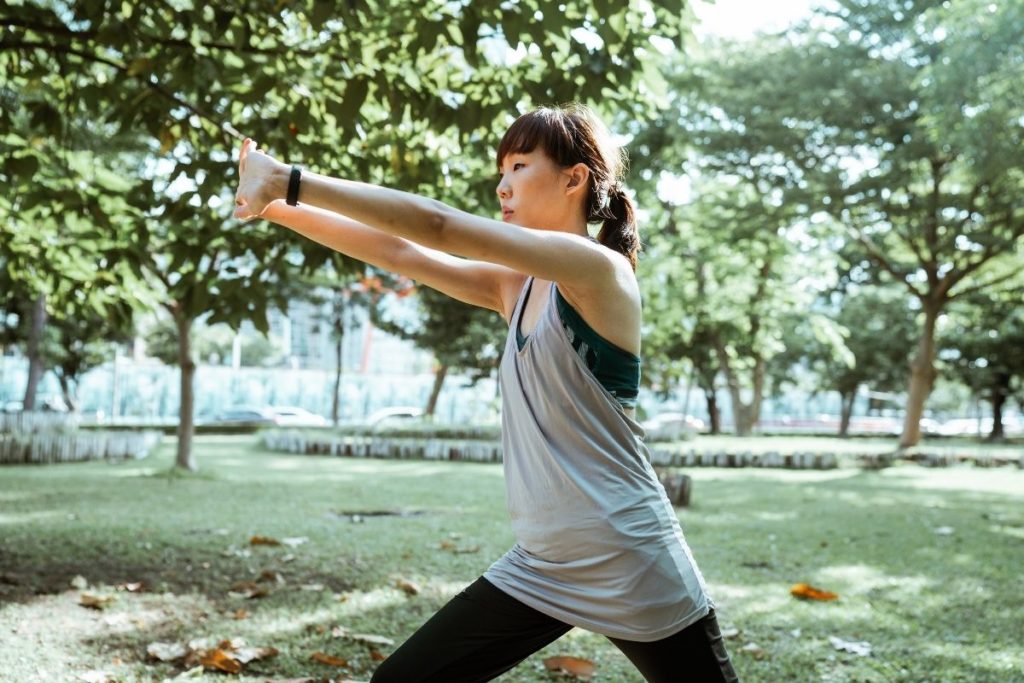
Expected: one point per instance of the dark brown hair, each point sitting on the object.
(573, 135)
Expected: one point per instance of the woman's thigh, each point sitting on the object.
(694, 655)
(480, 634)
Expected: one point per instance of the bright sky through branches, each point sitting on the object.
(736, 19)
(744, 18)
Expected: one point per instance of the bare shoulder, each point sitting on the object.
(611, 303)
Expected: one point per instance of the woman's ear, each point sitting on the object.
(579, 178)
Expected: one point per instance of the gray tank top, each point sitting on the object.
(598, 544)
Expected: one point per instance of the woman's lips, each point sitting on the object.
(506, 213)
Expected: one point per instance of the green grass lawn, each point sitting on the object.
(928, 565)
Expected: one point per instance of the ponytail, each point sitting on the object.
(619, 230)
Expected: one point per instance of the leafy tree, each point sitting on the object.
(853, 339)
(881, 118)
(728, 274)
(403, 96)
(336, 291)
(461, 337)
(985, 348)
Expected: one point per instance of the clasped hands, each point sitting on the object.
(261, 180)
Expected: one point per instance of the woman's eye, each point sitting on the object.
(516, 167)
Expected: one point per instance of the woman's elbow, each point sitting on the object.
(436, 231)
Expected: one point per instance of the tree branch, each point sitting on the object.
(931, 219)
(878, 257)
(983, 285)
(226, 128)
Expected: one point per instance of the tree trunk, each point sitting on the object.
(745, 415)
(714, 414)
(846, 399)
(1000, 391)
(339, 338)
(442, 372)
(185, 458)
(35, 360)
(922, 376)
(69, 394)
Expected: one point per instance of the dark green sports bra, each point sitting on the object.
(616, 369)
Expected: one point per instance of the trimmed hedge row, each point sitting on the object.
(54, 447)
(490, 451)
(435, 447)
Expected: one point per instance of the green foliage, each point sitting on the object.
(410, 96)
(859, 338)
(984, 346)
(461, 337)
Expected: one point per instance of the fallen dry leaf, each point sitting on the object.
(134, 587)
(248, 590)
(456, 549)
(94, 601)
(294, 541)
(263, 540)
(271, 576)
(231, 643)
(251, 654)
(754, 650)
(408, 587)
(200, 644)
(376, 656)
(166, 652)
(730, 632)
(330, 660)
(370, 639)
(582, 669)
(240, 613)
(219, 660)
(79, 582)
(805, 591)
(861, 648)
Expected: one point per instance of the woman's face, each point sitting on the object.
(532, 191)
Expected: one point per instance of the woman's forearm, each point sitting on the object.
(340, 233)
(396, 213)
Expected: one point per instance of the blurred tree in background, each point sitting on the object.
(867, 131)
(412, 96)
(787, 182)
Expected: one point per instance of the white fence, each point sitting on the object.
(41, 438)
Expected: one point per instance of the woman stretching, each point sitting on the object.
(598, 544)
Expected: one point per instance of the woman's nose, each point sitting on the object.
(503, 190)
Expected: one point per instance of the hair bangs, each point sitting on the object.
(544, 128)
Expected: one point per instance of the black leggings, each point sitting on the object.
(483, 632)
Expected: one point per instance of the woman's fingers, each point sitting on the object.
(243, 213)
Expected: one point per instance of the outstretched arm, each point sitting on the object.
(568, 259)
(480, 284)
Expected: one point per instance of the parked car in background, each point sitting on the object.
(390, 417)
(287, 416)
(267, 416)
(242, 416)
(672, 427)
